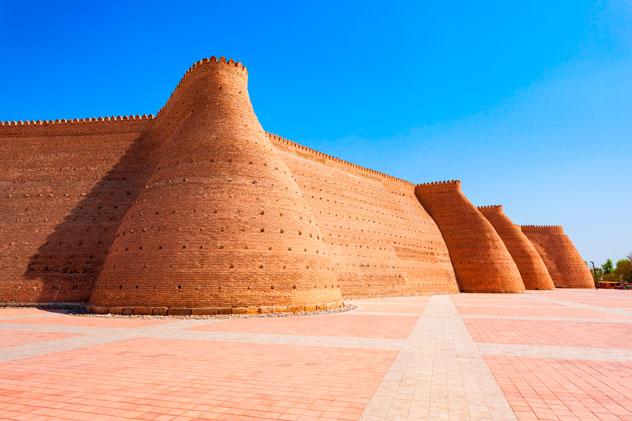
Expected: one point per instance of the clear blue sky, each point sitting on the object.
(529, 103)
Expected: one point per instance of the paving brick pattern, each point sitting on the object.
(464, 356)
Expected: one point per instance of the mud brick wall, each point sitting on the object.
(64, 186)
(220, 222)
(199, 210)
(566, 266)
(532, 269)
(481, 261)
(381, 241)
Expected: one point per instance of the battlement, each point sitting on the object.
(490, 207)
(443, 185)
(76, 120)
(197, 67)
(279, 140)
(441, 182)
(75, 126)
(213, 59)
(542, 228)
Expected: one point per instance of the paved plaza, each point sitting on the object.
(564, 354)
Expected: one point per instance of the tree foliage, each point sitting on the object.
(609, 272)
(623, 270)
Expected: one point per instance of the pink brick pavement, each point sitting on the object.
(564, 354)
(565, 389)
(146, 378)
(387, 327)
(13, 337)
(528, 332)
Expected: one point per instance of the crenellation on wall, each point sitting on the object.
(77, 126)
(491, 207)
(279, 140)
(543, 228)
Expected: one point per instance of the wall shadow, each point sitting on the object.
(68, 263)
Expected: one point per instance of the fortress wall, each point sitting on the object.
(481, 260)
(382, 242)
(532, 269)
(565, 264)
(221, 222)
(199, 210)
(63, 191)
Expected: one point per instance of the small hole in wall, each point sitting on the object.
(179, 286)
(120, 286)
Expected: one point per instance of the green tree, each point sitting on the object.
(624, 270)
(607, 267)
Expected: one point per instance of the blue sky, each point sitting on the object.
(529, 103)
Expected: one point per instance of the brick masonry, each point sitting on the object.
(566, 266)
(532, 269)
(481, 261)
(200, 211)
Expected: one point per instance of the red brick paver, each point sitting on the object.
(528, 332)
(564, 389)
(387, 327)
(12, 337)
(533, 311)
(73, 320)
(564, 354)
(146, 378)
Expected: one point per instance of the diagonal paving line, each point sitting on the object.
(174, 330)
(557, 352)
(610, 310)
(88, 336)
(439, 374)
(284, 339)
(548, 319)
(30, 316)
(378, 313)
(66, 344)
